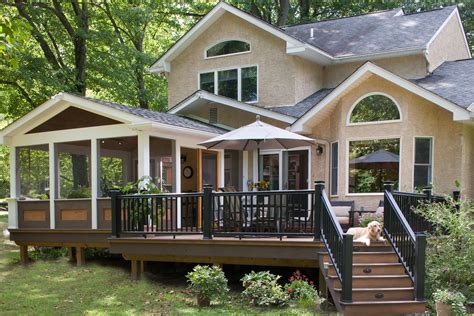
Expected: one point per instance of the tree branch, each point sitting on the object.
(20, 89)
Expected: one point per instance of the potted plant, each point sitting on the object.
(449, 303)
(208, 283)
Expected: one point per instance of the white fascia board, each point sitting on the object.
(172, 130)
(162, 64)
(459, 113)
(234, 104)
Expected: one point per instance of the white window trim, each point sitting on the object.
(227, 55)
(338, 168)
(431, 158)
(399, 137)
(348, 118)
(239, 80)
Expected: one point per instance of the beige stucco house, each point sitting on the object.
(386, 96)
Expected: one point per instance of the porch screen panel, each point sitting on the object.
(423, 162)
(34, 172)
(74, 170)
(334, 167)
(228, 83)
(371, 162)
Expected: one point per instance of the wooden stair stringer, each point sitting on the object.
(330, 283)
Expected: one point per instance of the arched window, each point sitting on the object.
(227, 48)
(374, 108)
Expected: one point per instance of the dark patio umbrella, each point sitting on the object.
(380, 159)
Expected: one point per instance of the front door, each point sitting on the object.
(296, 170)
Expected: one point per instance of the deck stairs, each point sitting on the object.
(380, 284)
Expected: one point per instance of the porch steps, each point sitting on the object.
(380, 285)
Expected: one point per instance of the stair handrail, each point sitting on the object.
(409, 246)
(338, 244)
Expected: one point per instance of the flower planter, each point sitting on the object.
(443, 309)
(203, 302)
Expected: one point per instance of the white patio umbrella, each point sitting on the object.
(256, 136)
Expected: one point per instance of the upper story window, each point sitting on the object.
(228, 48)
(236, 83)
(374, 108)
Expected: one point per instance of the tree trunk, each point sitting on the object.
(283, 12)
(139, 69)
(80, 172)
(304, 10)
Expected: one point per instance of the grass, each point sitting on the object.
(103, 287)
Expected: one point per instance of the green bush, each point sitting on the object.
(453, 298)
(262, 289)
(208, 282)
(450, 247)
(302, 290)
(80, 193)
(370, 217)
(47, 253)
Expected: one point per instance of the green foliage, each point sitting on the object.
(450, 248)
(375, 108)
(144, 185)
(111, 174)
(4, 172)
(366, 218)
(34, 172)
(453, 298)
(80, 193)
(302, 290)
(209, 282)
(262, 289)
(47, 253)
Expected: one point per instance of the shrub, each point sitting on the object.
(369, 217)
(453, 298)
(47, 253)
(450, 247)
(262, 289)
(208, 282)
(301, 289)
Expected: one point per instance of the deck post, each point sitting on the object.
(95, 185)
(135, 270)
(387, 188)
(80, 256)
(24, 255)
(347, 244)
(419, 273)
(71, 254)
(53, 183)
(14, 187)
(318, 204)
(116, 214)
(428, 192)
(207, 212)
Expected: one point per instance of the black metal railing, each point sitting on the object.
(409, 247)
(170, 213)
(338, 244)
(269, 213)
(408, 202)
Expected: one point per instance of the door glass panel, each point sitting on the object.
(297, 170)
(209, 169)
(270, 170)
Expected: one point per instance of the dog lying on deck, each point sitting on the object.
(373, 232)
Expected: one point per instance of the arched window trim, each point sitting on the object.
(348, 119)
(226, 55)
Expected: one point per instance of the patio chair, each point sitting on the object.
(345, 214)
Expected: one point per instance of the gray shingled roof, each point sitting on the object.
(453, 80)
(372, 33)
(162, 117)
(300, 108)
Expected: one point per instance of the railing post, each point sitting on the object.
(419, 271)
(207, 212)
(387, 187)
(318, 205)
(428, 192)
(346, 268)
(116, 213)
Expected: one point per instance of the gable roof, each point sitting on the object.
(452, 80)
(459, 112)
(248, 107)
(373, 33)
(119, 112)
(300, 108)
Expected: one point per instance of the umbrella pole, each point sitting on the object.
(258, 163)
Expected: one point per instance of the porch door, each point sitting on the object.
(269, 165)
(295, 170)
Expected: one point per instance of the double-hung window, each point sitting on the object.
(423, 167)
(237, 83)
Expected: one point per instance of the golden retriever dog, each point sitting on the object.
(373, 232)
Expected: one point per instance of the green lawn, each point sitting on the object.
(102, 287)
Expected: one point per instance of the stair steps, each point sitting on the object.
(380, 285)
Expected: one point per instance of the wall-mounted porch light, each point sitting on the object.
(319, 150)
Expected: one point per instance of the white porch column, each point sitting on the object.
(53, 173)
(176, 154)
(221, 166)
(143, 154)
(245, 170)
(14, 188)
(95, 159)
